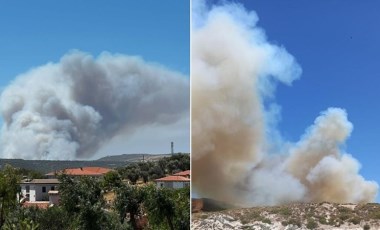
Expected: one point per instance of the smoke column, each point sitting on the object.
(234, 69)
(67, 110)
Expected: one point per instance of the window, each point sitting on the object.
(52, 188)
(27, 188)
(44, 189)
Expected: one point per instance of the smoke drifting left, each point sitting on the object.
(69, 109)
(234, 68)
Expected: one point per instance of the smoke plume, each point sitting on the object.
(234, 69)
(69, 109)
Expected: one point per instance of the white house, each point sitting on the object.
(173, 182)
(38, 189)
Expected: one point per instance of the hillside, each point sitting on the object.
(45, 166)
(291, 217)
(135, 157)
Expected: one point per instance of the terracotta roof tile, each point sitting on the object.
(184, 173)
(174, 178)
(85, 171)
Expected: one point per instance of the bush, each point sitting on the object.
(344, 216)
(266, 220)
(295, 222)
(366, 227)
(355, 220)
(311, 224)
(285, 211)
(322, 220)
(344, 209)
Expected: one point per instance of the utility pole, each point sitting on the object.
(172, 145)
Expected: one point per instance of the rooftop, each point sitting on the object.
(40, 181)
(174, 178)
(183, 173)
(83, 171)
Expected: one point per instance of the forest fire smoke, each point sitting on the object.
(234, 69)
(69, 109)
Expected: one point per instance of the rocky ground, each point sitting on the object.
(291, 217)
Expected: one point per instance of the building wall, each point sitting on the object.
(177, 184)
(54, 199)
(172, 184)
(35, 191)
(160, 184)
(180, 184)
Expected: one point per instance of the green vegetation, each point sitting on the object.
(322, 220)
(266, 220)
(83, 205)
(355, 220)
(151, 170)
(285, 211)
(294, 222)
(311, 224)
(8, 190)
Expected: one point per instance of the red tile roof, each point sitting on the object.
(38, 204)
(84, 171)
(184, 173)
(174, 178)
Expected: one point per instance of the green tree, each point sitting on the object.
(182, 208)
(129, 200)
(31, 174)
(156, 172)
(54, 218)
(9, 188)
(82, 198)
(131, 172)
(111, 180)
(145, 176)
(160, 206)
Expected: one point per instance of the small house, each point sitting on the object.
(37, 190)
(173, 182)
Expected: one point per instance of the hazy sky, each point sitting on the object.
(337, 45)
(38, 32)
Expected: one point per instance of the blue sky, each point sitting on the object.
(36, 32)
(337, 45)
(33, 33)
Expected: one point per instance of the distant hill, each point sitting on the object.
(45, 166)
(135, 157)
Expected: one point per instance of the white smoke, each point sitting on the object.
(69, 109)
(234, 69)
